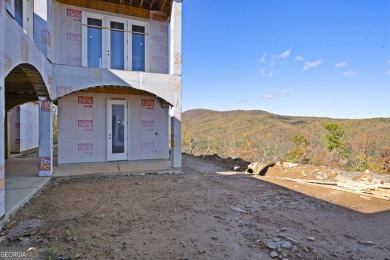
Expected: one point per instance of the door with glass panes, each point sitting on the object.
(114, 43)
(116, 130)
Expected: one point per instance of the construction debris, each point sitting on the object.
(375, 188)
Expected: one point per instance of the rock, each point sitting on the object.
(320, 176)
(238, 209)
(274, 254)
(24, 241)
(64, 257)
(272, 245)
(24, 228)
(255, 167)
(289, 165)
(368, 243)
(287, 244)
(282, 230)
(311, 238)
(284, 254)
(237, 168)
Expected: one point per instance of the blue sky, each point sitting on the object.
(303, 58)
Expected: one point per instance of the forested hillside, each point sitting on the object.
(261, 136)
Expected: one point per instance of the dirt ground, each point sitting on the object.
(199, 214)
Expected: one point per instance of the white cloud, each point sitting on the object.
(270, 96)
(242, 101)
(285, 54)
(388, 62)
(387, 72)
(350, 73)
(311, 64)
(262, 59)
(267, 74)
(340, 64)
(286, 92)
(298, 58)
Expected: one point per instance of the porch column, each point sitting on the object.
(175, 36)
(176, 69)
(2, 108)
(45, 163)
(175, 138)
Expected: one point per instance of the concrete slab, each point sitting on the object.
(21, 183)
(145, 165)
(112, 168)
(86, 169)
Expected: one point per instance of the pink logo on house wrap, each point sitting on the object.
(17, 141)
(46, 37)
(147, 124)
(159, 17)
(44, 163)
(85, 123)
(149, 103)
(147, 145)
(87, 147)
(45, 107)
(17, 125)
(2, 175)
(86, 101)
(73, 37)
(73, 13)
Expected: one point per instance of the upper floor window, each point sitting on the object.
(115, 43)
(19, 12)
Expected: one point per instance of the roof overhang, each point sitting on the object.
(137, 8)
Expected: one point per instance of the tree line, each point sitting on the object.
(331, 147)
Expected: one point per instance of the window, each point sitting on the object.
(138, 48)
(19, 12)
(94, 43)
(117, 40)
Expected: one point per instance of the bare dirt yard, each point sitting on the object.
(199, 214)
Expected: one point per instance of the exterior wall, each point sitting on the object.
(20, 48)
(2, 107)
(14, 129)
(68, 37)
(43, 26)
(87, 142)
(24, 127)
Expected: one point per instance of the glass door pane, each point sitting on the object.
(94, 46)
(138, 48)
(118, 128)
(117, 45)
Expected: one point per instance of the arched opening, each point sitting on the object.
(24, 88)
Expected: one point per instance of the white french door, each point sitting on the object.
(93, 46)
(116, 38)
(114, 43)
(116, 130)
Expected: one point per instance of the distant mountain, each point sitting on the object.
(260, 135)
